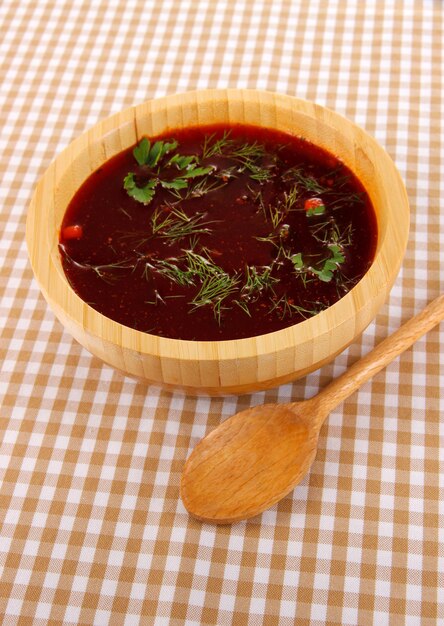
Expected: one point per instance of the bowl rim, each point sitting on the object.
(131, 122)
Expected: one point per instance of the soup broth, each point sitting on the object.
(217, 233)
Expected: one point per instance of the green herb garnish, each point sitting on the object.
(150, 155)
(176, 224)
(143, 194)
(105, 271)
(256, 282)
(330, 265)
(286, 307)
(297, 261)
(156, 169)
(212, 147)
(171, 270)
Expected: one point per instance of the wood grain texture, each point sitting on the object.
(248, 463)
(255, 458)
(238, 366)
(384, 353)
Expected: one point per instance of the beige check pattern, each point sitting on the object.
(92, 527)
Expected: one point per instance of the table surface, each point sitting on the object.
(92, 527)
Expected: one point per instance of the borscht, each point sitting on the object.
(217, 232)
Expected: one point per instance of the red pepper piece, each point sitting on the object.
(314, 206)
(72, 232)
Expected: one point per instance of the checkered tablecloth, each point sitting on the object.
(92, 527)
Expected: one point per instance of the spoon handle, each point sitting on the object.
(391, 347)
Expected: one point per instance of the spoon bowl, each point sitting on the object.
(268, 451)
(255, 458)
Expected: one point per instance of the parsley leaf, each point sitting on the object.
(142, 150)
(297, 261)
(176, 183)
(337, 257)
(181, 161)
(142, 194)
(194, 171)
(151, 157)
(330, 265)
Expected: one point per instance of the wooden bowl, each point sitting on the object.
(242, 365)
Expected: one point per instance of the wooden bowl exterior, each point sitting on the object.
(238, 366)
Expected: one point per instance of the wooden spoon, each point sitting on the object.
(259, 455)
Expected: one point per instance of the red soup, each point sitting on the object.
(214, 233)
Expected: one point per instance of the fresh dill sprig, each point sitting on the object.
(200, 265)
(157, 299)
(248, 152)
(212, 147)
(248, 156)
(201, 187)
(271, 212)
(216, 283)
(103, 270)
(215, 289)
(160, 220)
(243, 305)
(257, 282)
(137, 239)
(286, 307)
(344, 283)
(276, 212)
(346, 199)
(175, 224)
(172, 271)
(282, 252)
(306, 182)
(329, 232)
(128, 215)
(290, 199)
